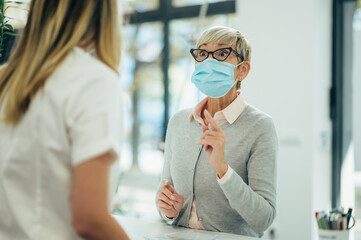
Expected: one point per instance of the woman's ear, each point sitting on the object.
(243, 70)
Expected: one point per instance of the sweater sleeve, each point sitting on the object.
(166, 169)
(256, 202)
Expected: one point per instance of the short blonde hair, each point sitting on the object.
(233, 37)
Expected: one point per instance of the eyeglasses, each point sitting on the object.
(220, 54)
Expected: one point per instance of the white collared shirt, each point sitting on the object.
(75, 117)
(229, 114)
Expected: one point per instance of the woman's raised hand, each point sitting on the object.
(214, 140)
(169, 201)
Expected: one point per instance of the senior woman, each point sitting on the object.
(219, 169)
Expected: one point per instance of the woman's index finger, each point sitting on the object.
(167, 184)
(204, 128)
(211, 121)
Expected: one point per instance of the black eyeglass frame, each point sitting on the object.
(210, 52)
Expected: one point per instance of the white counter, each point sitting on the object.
(138, 229)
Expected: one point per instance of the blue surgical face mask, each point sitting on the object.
(214, 78)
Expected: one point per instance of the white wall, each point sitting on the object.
(290, 80)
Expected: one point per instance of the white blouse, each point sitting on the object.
(75, 117)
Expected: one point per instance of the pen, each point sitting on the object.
(339, 223)
(320, 220)
(316, 214)
(326, 222)
(345, 223)
(348, 215)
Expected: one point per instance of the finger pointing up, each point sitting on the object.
(211, 121)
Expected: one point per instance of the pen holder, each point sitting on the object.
(333, 234)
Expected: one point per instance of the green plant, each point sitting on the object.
(6, 29)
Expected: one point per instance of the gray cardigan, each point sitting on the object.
(246, 203)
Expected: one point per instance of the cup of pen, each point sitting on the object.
(335, 225)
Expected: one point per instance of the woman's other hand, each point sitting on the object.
(169, 201)
(214, 139)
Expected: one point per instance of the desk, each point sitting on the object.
(137, 229)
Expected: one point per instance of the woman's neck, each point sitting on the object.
(217, 104)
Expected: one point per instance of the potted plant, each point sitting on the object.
(7, 33)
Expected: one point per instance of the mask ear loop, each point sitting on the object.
(240, 78)
(239, 64)
(237, 79)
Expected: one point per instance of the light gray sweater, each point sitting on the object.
(246, 203)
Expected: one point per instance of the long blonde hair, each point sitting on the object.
(53, 29)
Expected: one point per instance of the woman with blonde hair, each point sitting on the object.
(60, 123)
(220, 157)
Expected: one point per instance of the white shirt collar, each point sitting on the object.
(229, 114)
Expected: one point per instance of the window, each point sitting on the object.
(182, 3)
(156, 69)
(140, 6)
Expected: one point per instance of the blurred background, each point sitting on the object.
(306, 73)
(156, 70)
